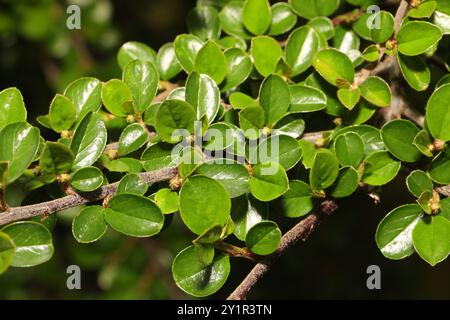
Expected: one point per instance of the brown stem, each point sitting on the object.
(301, 231)
(399, 15)
(236, 252)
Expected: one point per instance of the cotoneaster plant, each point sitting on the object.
(309, 98)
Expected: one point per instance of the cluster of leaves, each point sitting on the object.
(240, 82)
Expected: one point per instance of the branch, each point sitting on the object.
(301, 231)
(70, 201)
(399, 15)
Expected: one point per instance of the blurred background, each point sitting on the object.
(40, 56)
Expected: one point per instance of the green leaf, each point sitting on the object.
(423, 10)
(246, 212)
(442, 20)
(308, 152)
(346, 41)
(220, 136)
(334, 66)
(418, 182)
(195, 277)
(371, 53)
(232, 176)
(55, 159)
(266, 53)
(398, 136)
(306, 99)
(314, 8)
(380, 168)
(167, 62)
(12, 107)
(239, 68)
(211, 61)
(157, 157)
(142, 79)
(231, 18)
(122, 165)
(283, 19)
(269, 181)
(384, 28)
(431, 237)
(203, 94)
(190, 159)
(349, 97)
(297, 201)
(322, 25)
(274, 97)
(334, 106)
(87, 179)
(115, 96)
(359, 115)
(290, 126)
(445, 208)
(346, 183)
(167, 200)
(438, 113)
(417, 37)
(282, 149)
(135, 51)
(204, 203)
(415, 72)
(369, 135)
(89, 224)
(210, 236)
(251, 120)
(187, 47)
(240, 100)
(257, 16)
(324, 170)
(204, 22)
(349, 149)
(263, 238)
(19, 143)
(301, 47)
(133, 137)
(89, 141)
(422, 142)
(229, 42)
(62, 113)
(174, 119)
(394, 233)
(7, 249)
(132, 183)
(85, 93)
(439, 169)
(376, 91)
(134, 215)
(33, 243)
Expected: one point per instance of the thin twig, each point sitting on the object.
(399, 15)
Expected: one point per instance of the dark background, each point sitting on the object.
(40, 56)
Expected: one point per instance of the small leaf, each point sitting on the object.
(89, 224)
(167, 200)
(283, 19)
(306, 99)
(85, 93)
(334, 66)
(231, 18)
(269, 181)
(142, 79)
(263, 238)
(240, 100)
(62, 113)
(204, 203)
(55, 159)
(257, 16)
(324, 171)
(380, 168)
(431, 237)
(211, 60)
(133, 137)
(384, 27)
(290, 126)
(371, 53)
(282, 149)
(376, 91)
(418, 182)
(301, 47)
(439, 168)
(134, 215)
(204, 22)
(369, 135)
(417, 37)
(132, 183)
(33, 243)
(232, 176)
(394, 233)
(398, 136)
(349, 97)
(209, 236)
(115, 96)
(89, 141)
(274, 97)
(308, 152)
(7, 249)
(346, 183)
(158, 156)
(322, 25)
(195, 277)
(174, 119)
(203, 94)
(19, 144)
(167, 62)
(87, 179)
(438, 113)
(135, 51)
(297, 201)
(239, 68)
(314, 8)
(251, 120)
(12, 107)
(266, 53)
(246, 212)
(415, 72)
(187, 47)
(422, 142)
(349, 149)
(423, 10)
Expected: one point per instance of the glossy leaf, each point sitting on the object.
(203, 94)
(349, 97)
(349, 149)
(263, 238)
(431, 237)
(415, 71)
(266, 53)
(62, 113)
(55, 159)
(417, 37)
(314, 8)
(283, 19)
(167, 62)
(211, 60)
(186, 48)
(384, 27)
(257, 16)
(204, 22)
(439, 168)
(115, 96)
(274, 98)
(133, 137)
(239, 68)
(398, 136)
(132, 183)
(282, 149)
(380, 168)
(7, 249)
(269, 181)
(322, 25)
(346, 183)
(85, 93)
(87, 179)
(158, 156)
(376, 91)
(251, 120)
(422, 142)
(247, 211)
(301, 47)
(89, 224)
(334, 66)
(134, 50)
(231, 18)
(324, 170)
(12, 107)
(174, 119)
(167, 200)
(418, 182)
(297, 201)
(438, 113)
